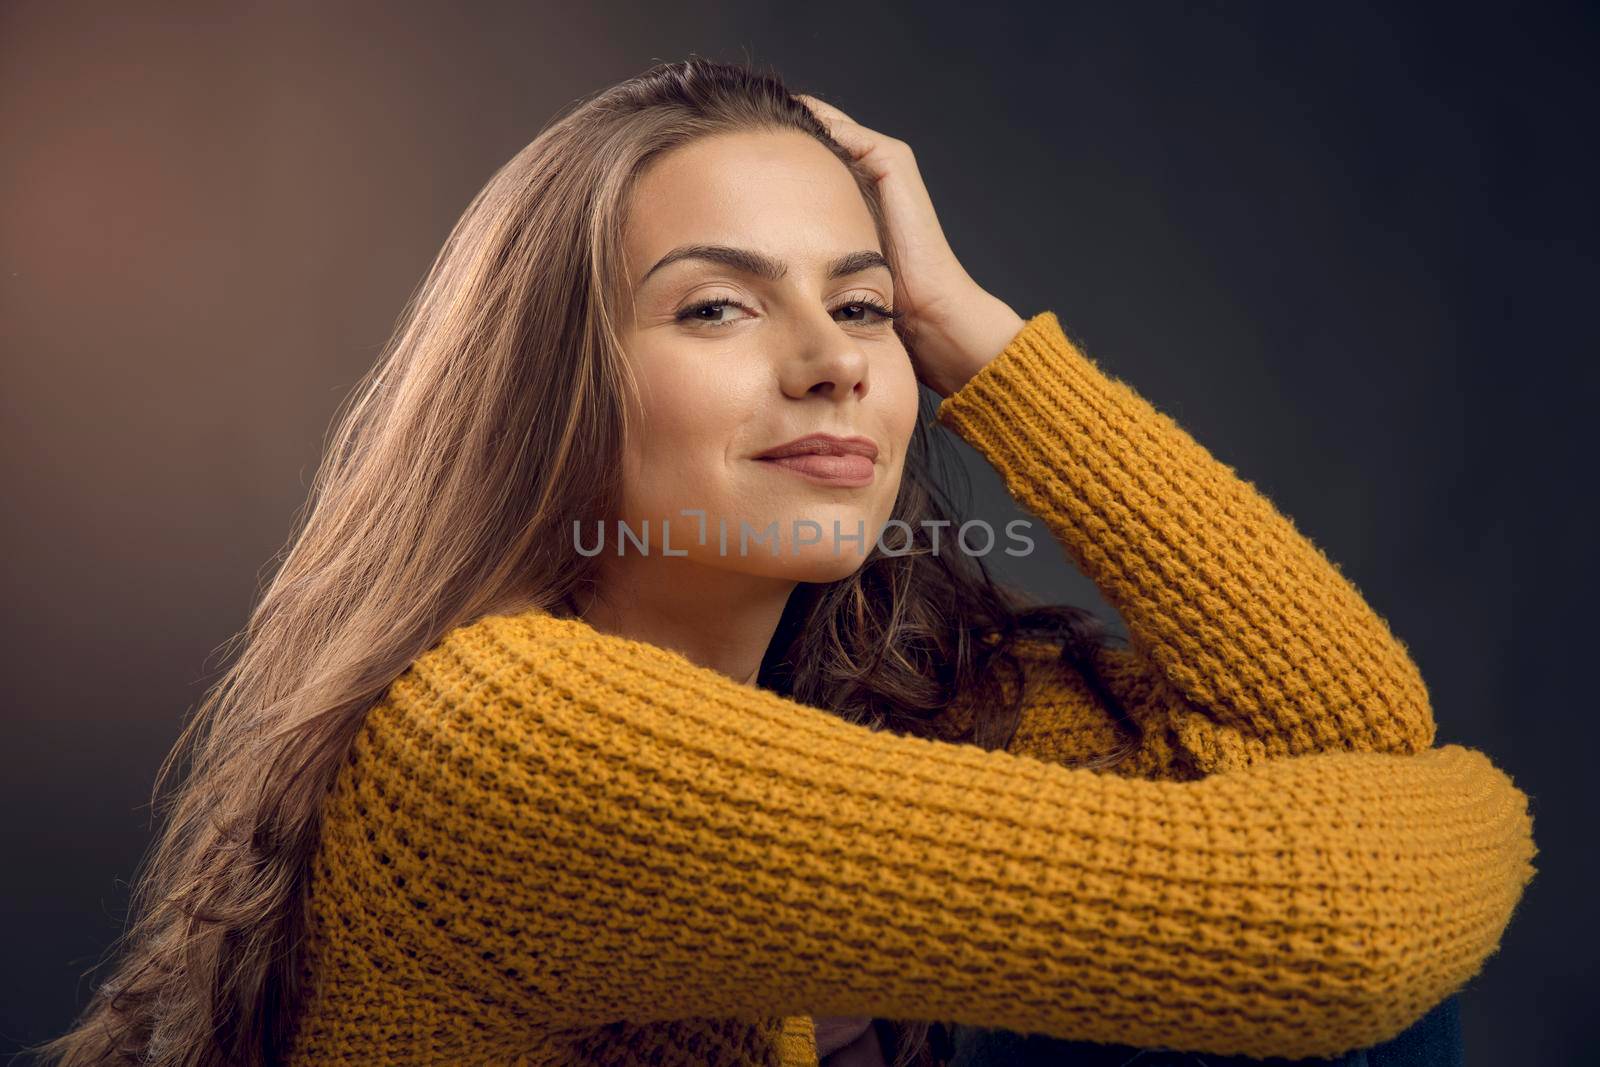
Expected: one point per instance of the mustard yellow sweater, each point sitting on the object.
(555, 845)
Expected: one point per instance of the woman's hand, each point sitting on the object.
(955, 327)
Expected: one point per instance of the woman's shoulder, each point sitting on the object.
(1050, 671)
(509, 631)
(512, 669)
(493, 661)
(511, 641)
(1067, 719)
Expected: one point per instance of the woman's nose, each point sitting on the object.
(820, 358)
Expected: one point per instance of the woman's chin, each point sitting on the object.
(811, 563)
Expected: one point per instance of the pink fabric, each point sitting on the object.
(847, 1041)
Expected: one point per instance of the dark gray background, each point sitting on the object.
(1350, 249)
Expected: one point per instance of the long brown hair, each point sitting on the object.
(492, 420)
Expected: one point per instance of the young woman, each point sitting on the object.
(476, 792)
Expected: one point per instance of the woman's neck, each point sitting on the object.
(717, 618)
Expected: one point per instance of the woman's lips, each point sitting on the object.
(850, 470)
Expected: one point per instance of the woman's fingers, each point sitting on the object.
(824, 111)
(863, 143)
(931, 286)
(928, 261)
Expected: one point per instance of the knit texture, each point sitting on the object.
(552, 845)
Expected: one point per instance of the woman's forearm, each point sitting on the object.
(604, 830)
(1268, 649)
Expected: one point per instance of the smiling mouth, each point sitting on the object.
(850, 471)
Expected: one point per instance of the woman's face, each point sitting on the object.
(753, 262)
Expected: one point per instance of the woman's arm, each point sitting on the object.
(1262, 648)
(573, 828)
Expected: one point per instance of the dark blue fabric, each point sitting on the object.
(1433, 1041)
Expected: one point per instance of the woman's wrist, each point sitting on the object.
(968, 334)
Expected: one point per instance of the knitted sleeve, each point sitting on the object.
(1260, 648)
(557, 827)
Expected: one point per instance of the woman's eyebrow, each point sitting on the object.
(760, 265)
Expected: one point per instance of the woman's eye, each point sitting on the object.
(867, 312)
(706, 312)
